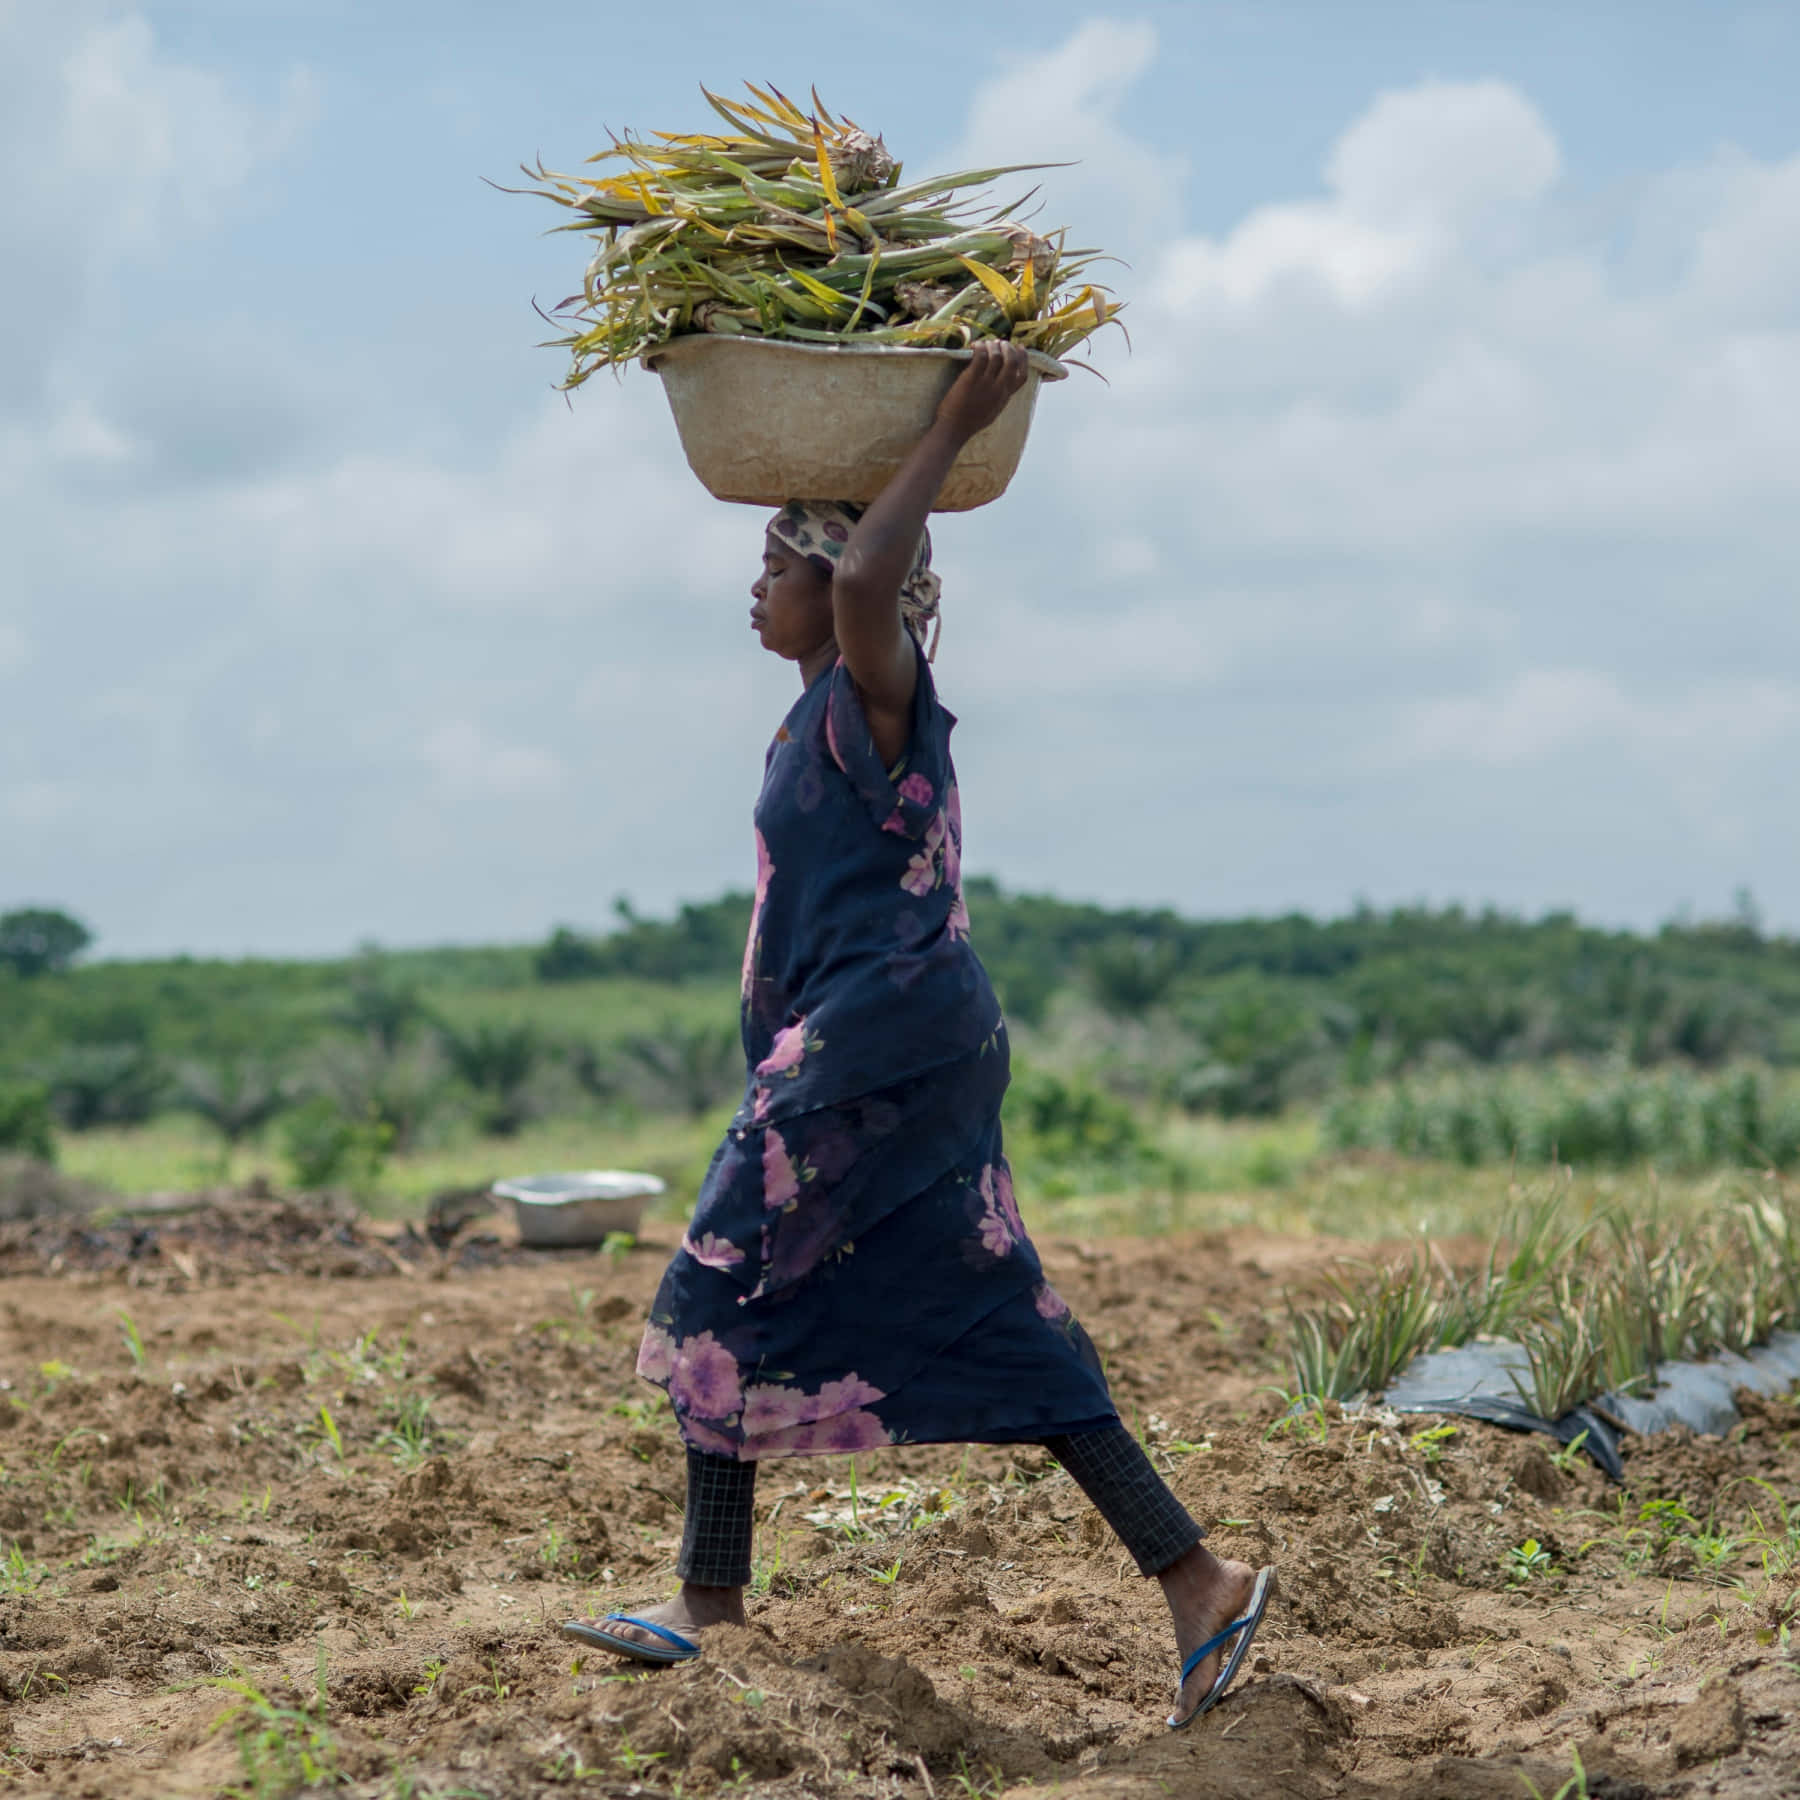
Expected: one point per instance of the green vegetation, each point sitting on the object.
(326, 1147)
(25, 1119)
(36, 940)
(1614, 1115)
(1158, 1060)
(283, 1747)
(1599, 1296)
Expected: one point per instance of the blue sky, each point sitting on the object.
(1436, 539)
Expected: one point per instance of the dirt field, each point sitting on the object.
(284, 1502)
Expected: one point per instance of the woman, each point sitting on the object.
(856, 1273)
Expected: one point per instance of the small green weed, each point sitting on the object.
(408, 1437)
(491, 1689)
(1568, 1458)
(281, 1749)
(324, 1431)
(990, 1784)
(366, 1361)
(645, 1413)
(631, 1760)
(766, 1572)
(1575, 1788)
(570, 1765)
(1527, 1562)
(1431, 1441)
(1776, 1539)
(1305, 1418)
(17, 1576)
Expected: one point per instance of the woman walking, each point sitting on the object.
(856, 1273)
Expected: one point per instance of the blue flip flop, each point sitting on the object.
(680, 1649)
(1244, 1630)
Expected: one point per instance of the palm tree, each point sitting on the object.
(497, 1062)
(379, 1007)
(236, 1095)
(697, 1065)
(593, 1068)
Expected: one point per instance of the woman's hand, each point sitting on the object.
(995, 372)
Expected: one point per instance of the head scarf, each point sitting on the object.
(819, 530)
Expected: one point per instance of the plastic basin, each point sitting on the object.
(569, 1209)
(763, 421)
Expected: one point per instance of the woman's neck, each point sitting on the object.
(815, 662)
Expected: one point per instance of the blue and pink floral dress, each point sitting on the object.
(856, 1273)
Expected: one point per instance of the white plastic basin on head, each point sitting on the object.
(764, 421)
(578, 1207)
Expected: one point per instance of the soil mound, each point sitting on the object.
(52, 1226)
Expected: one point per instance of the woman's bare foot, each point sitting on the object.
(692, 1610)
(1204, 1595)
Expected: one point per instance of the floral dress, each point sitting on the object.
(856, 1273)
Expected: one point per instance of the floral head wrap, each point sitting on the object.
(819, 530)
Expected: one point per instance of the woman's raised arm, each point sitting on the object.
(865, 590)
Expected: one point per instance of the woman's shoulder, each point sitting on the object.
(904, 796)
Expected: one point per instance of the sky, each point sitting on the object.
(1434, 539)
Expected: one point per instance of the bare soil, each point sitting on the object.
(333, 1453)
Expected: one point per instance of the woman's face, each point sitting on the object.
(792, 611)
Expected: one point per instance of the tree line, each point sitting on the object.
(1236, 1016)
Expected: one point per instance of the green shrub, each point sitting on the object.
(1130, 975)
(1256, 1037)
(1065, 1135)
(94, 1084)
(327, 1147)
(25, 1120)
(568, 956)
(403, 1088)
(236, 1096)
(496, 1063)
(380, 1005)
(696, 1067)
(701, 940)
(1026, 985)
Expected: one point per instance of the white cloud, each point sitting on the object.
(120, 152)
(1422, 361)
(1422, 173)
(463, 755)
(1747, 257)
(163, 145)
(1540, 714)
(1062, 106)
(78, 434)
(1444, 157)
(29, 803)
